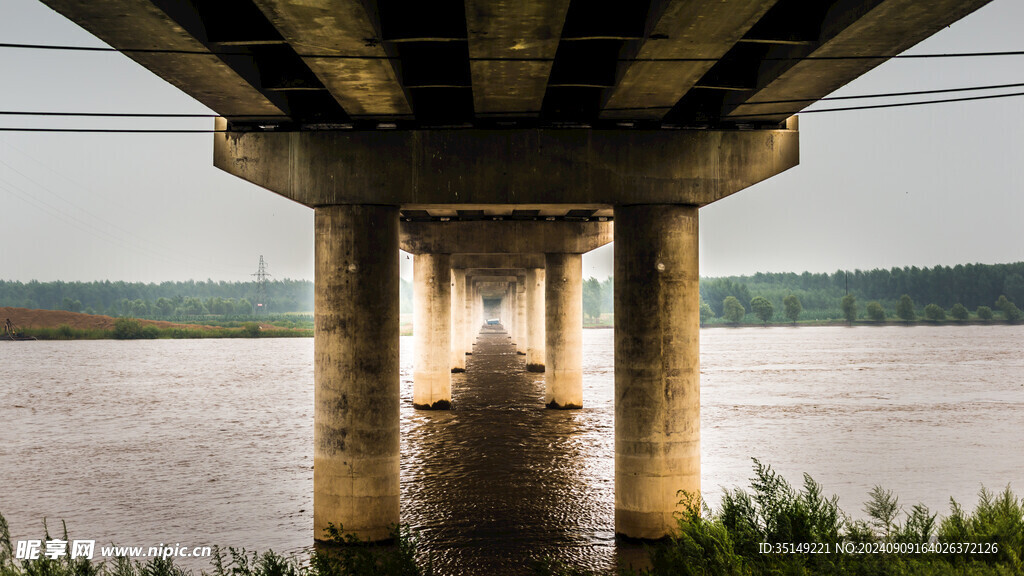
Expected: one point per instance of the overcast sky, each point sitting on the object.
(938, 184)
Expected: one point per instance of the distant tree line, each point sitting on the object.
(942, 292)
(957, 292)
(159, 301)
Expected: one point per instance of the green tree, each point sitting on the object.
(1002, 303)
(762, 308)
(934, 312)
(875, 311)
(733, 310)
(138, 308)
(792, 306)
(984, 313)
(706, 313)
(849, 306)
(164, 307)
(905, 309)
(1012, 313)
(592, 298)
(959, 312)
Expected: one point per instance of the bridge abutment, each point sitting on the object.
(356, 371)
(657, 366)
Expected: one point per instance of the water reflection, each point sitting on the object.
(500, 479)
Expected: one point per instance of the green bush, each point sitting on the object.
(875, 311)
(984, 313)
(934, 312)
(132, 329)
(959, 311)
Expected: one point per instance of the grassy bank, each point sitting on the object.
(771, 529)
(131, 329)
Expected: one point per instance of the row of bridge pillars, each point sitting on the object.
(543, 322)
(356, 428)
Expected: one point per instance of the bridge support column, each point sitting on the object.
(432, 295)
(520, 312)
(458, 320)
(657, 366)
(355, 370)
(469, 332)
(535, 319)
(563, 328)
(510, 313)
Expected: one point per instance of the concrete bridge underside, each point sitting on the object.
(498, 141)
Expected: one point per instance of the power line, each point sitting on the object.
(493, 59)
(885, 95)
(733, 116)
(892, 105)
(113, 130)
(44, 113)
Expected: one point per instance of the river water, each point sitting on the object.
(203, 442)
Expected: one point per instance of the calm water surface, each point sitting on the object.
(203, 442)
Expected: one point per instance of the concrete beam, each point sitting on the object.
(364, 88)
(505, 272)
(505, 237)
(886, 29)
(535, 166)
(497, 260)
(696, 29)
(140, 24)
(519, 39)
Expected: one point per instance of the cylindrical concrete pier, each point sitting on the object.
(522, 333)
(431, 331)
(469, 331)
(509, 319)
(355, 371)
(535, 319)
(657, 366)
(563, 327)
(458, 308)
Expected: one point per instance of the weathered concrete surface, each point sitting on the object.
(432, 295)
(878, 28)
(495, 261)
(139, 24)
(365, 87)
(683, 29)
(535, 312)
(522, 330)
(355, 371)
(543, 166)
(513, 45)
(657, 366)
(471, 327)
(563, 331)
(505, 237)
(458, 307)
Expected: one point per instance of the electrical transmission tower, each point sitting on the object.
(260, 305)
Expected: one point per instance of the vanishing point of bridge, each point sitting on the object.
(498, 141)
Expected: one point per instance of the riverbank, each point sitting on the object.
(62, 325)
(608, 321)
